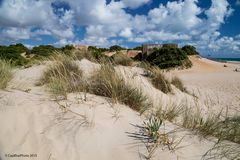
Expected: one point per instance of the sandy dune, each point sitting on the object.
(32, 122)
(216, 86)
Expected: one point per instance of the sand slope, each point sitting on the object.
(217, 86)
(32, 122)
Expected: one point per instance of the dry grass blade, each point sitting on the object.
(177, 82)
(5, 73)
(121, 59)
(212, 125)
(159, 80)
(170, 112)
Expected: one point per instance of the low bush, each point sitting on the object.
(44, 50)
(108, 83)
(169, 57)
(5, 73)
(190, 50)
(13, 53)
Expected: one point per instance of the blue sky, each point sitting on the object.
(212, 26)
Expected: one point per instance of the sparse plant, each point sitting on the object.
(152, 127)
(213, 125)
(170, 112)
(223, 150)
(106, 82)
(151, 135)
(177, 82)
(5, 73)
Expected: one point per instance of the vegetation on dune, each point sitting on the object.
(170, 112)
(158, 79)
(177, 82)
(213, 125)
(43, 50)
(13, 53)
(63, 76)
(5, 73)
(169, 57)
(190, 50)
(116, 48)
(138, 48)
(121, 59)
(108, 83)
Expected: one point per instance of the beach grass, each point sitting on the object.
(121, 59)
(227, 128)
(62, 76)
(170, 112)
(177, 82)
(159, 80)
(106, 82)
(5, 73)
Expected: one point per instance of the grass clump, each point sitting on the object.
(108, 83)
(213, 125)
(170, 112)
(159, 80)
(177, 82)
(62, 76)
(5, 73)
(121, 59)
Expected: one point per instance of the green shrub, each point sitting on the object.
(44, 50)
(168, 57)
(116, 48)
(13, 53)
(5, 73)
(108, 83)
(190, 50)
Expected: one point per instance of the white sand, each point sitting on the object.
(217, 86)
(33, 123)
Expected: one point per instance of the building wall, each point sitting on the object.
(81, 47)
(148, 48)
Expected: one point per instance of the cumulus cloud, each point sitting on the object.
(135, 3)
(34, 14)
(107, 23)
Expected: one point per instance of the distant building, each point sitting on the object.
(81, 47)
(133, 53)
(148, 48)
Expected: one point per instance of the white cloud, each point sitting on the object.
(110, 23)
(16, 33)
(127, 32)
(135, 3)
(218, 12)
(34, 14)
